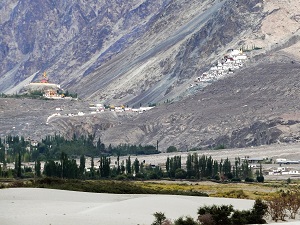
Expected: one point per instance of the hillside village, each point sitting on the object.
(233, 60)
(98, 108)
(54, 92)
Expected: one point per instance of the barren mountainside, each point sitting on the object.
(120, 52)
(150, 52)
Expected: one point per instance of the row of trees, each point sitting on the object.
(32, 95)
(15, 149)
(199, 167)
(68, 168)
(52, 148)
(196, 167)
(14, 146)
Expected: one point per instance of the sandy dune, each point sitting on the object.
(57, 207)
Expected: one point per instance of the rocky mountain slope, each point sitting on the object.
(156, 58)
(257, 106)
(119, 52)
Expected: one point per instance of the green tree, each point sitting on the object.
(220, 214)
(180, 173)
(37, 168)
(19, 170)
(253, 216)
(196, 167)
(123, 167)
(100, 146)
(187, 221)
(246, 170)
(64, 164)
(258, 212)
(168, 165)
(209, 167)
(215, 168)
(136, 166)
(92, 170)
(202, 166)
(241, 217)
(189, 166)
(159, 218)
(174, 164)
(104, 167)
(227, 169)
(82, 165)
(51, 169)
(260, 178)
(171, 149)
(128, 165)
(118, 165)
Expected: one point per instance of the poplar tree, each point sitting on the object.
(92, 170)
(19, 174)
(215, 168)
(37, 168)
(122, 167)
(196, 166)
(202, 166)
(209, 167)
(168, 164)
(128, 165)
(189, 169)
(64, 164)
(82, 165)
(104, 167)
(136, 166)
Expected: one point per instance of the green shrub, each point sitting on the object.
(248, 179)
(222, 146)
(229, 176)
(260, 179)
(140, 176)
(236, 179)
(121, 177)
(180, 173)
(217, 177)
(159, 218)
(171, 149)
(220, 214)
(226, 215)
(258, 212)
(152, 175)
(240, 217)
(187, 221)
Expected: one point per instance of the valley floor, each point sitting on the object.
(276, 151)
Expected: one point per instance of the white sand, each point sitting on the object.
(43, 207)
(56, 207)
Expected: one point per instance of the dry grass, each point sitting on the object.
(227, 190)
